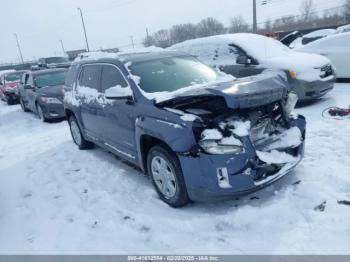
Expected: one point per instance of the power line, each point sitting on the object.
(296, 16)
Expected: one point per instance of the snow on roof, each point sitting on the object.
(95, 55)
(257, 46)
(7, 71)
(332, 41)
(320, 33)
(343, 29)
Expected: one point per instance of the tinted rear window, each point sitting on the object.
(12, 77)
(50, 79)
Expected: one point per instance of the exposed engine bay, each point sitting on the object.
(221, 130)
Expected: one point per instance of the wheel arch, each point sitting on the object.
(146, 142)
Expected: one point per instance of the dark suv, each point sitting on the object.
(42, 93)
(198, 134)
(53, 62)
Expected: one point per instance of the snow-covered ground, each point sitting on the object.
(56, 199)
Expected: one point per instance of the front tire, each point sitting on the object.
(164, 168)
(77, 135)
(40, 113)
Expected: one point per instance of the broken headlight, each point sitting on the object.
(290, 103)
(214, 147)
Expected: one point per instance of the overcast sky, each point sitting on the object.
(40, 24)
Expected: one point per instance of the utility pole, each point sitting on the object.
(147, 33)
(64, 51)
(19, 48)
(255, 25)
(132, 41)
(82, 20)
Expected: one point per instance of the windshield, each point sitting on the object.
(12, 77)
(171, 74)
(56, 60)
(50, 79)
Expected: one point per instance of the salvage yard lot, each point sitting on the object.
(55, 199)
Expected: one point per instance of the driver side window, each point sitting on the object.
(112, 78)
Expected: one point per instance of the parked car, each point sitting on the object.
(336, 48)
(200, 135)
(301, 40)
(311, 76)
(42, 93)
(9, 87)
(53, 62)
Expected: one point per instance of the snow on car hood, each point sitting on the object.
(52, 91)
(307, 66)
(248, 92)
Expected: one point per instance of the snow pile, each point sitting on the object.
(211, 134)
(230, 141)
(276, 157)
(216, 50)
(96, 55)
(56, 199)
(215, 134)
(320, 33)
(240, 128)
(189, 117)
(86, 95)
(289, 138)
(118, 91)
(184, 116)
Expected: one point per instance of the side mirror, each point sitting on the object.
(28, 87)
(243, 60)
(119, 93)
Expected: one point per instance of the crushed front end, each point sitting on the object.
(240, 151)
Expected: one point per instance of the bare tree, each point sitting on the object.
(209, 26)
(149, 41)
(182, 32)
(307, 9)
(268, 26)
(162, 38)
(238, 25)
(347, 11)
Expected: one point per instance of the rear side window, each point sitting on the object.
(112, 77)
(90, 77)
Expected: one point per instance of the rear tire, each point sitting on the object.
(77, 135)
(9, 101)
(23, 105)
(165, 170)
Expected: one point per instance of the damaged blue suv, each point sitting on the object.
(200, 135)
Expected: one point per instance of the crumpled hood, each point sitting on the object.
(51, 91)
(307, 66)
(253, 91)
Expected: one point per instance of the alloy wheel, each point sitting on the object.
(75, 132)
(164, 176)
